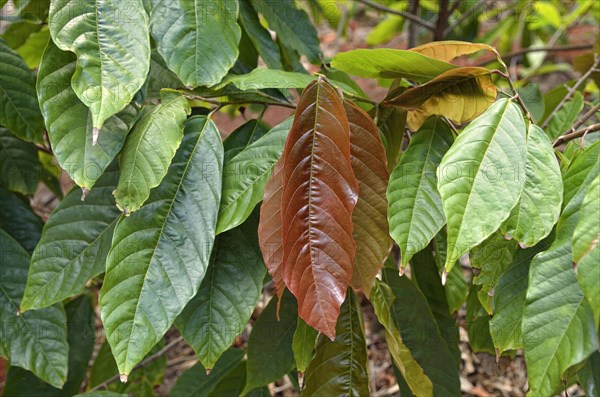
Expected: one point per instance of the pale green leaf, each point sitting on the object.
(303, 344)
(509, 300)
(160, 254)
(31, 51)
(19, 109)
(270, 354)
(456, 286)
(539, 207)
(227, 296)
(587, 232)
(477, 176)
(340, 366)
(246, 175)
(561, 121)
(43, 353)
(292, 25)
(149, 149)
(74, 245)
(415, 211)
(19, 165)
(69, 121)
(261, 78)
(492, 257)
(113, 51)
(198, 40)
(385, 63)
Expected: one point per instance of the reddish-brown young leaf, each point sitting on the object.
(371, 232)
(269, 228)
(319, 195)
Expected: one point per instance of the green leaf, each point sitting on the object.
(245, 176)
(533, 99)
(198, 40)
(260, 37)
(415, 209)
(195, 381)
(589, 375)
(19, 164)
(31, 51)
(558, 323)
(492, 257)
(160, 76)
(538, 208)
(243, 136)
(69, 121)
(478, 323)
(168, 241)
(292, 25)
(392, 122)
(81, 330)
(340, 366)
(141, 381)
(43, 353)
(587, 233)
(425, 273)
(18, 220)
(477, 176)
(227, 296)
(509, 300)
(270, 354)
(410, 370)
(303, 344)
(20, 110)
(101, 393)
(561, 121)
(113, 59)
(416, 324)
(74, 245)
(385, 63)
(456, 286)
(149, 149)
(267, 78)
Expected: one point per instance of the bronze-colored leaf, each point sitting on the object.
(460, 94)
(371, 232)
(448, 50)
(269, 228)
(318, 198)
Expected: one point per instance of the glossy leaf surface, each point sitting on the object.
(476, 176)
(318, 197)
(114, 58)
(160, 254)
(415, 210)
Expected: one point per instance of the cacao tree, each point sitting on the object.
(465, 197)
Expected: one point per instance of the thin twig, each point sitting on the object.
(241, 102)
(576, 134)
(43, 149)
(522, 51)
(516, 94)
(585, 117)
(413, 18)
(143, 363)
(572, 90)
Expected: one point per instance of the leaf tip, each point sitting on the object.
(444, 277)
(401, 271)
(84, 193)
(95, 135)
(19, 312)
(123, 378)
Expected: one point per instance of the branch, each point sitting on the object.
(573, 89)
(516, 93)
(576, 134)
(586, 116)
(143, 363)
(463, 17)
(406, 15)
(522, 51)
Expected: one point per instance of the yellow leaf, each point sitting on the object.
(459, 94)
(448, 50)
